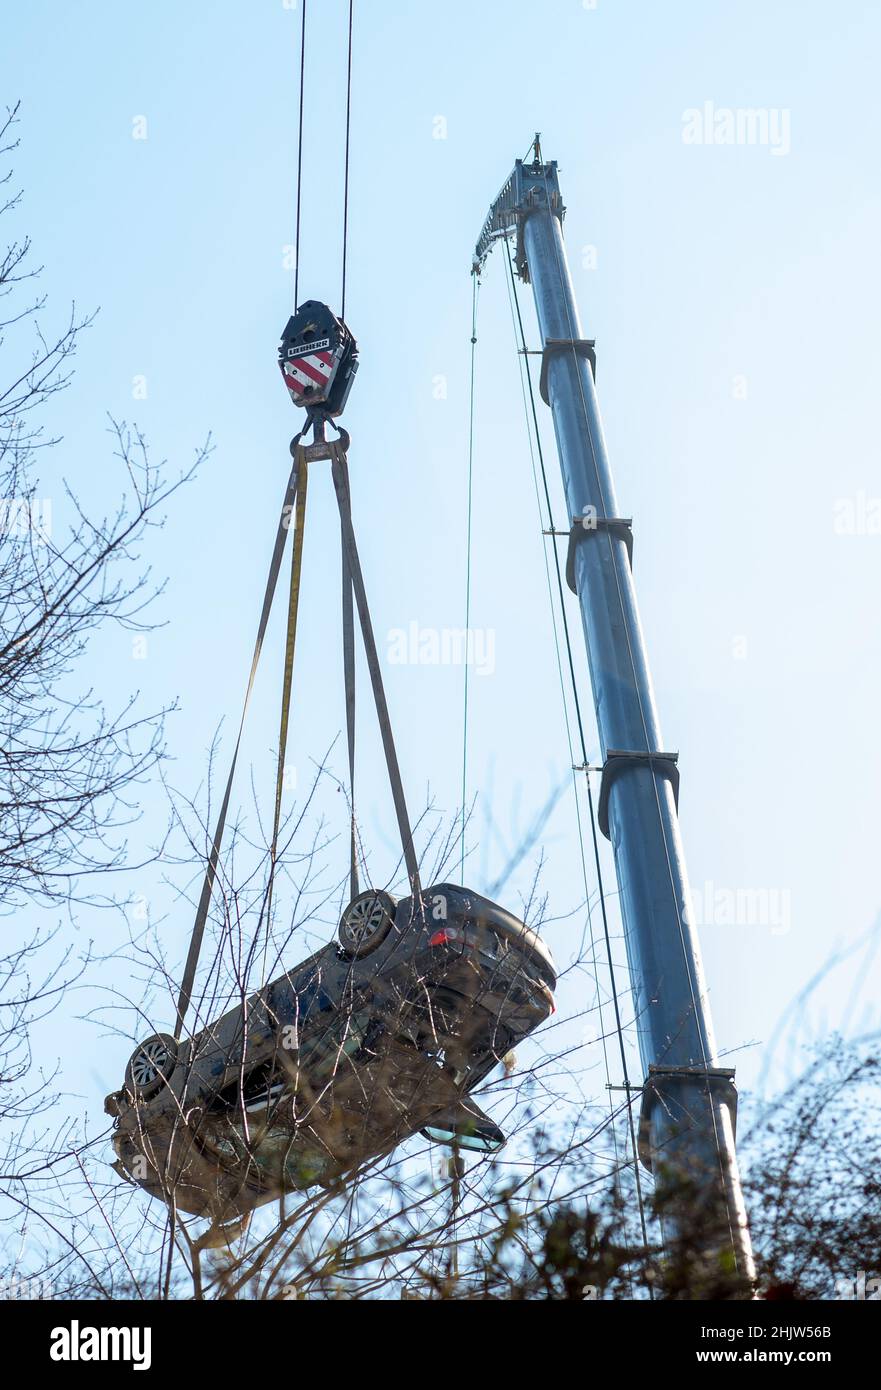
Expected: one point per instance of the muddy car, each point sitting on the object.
(376, 1037)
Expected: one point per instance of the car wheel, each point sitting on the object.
(366, 922)
(151, 1063)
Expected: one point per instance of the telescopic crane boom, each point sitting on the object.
(689, 1102)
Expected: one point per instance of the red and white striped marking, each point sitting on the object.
(303, 374)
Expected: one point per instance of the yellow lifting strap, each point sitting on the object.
(299, 519)
(291, 639)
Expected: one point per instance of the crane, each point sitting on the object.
(689, 1102)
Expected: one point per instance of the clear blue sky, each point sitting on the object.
(720, 273)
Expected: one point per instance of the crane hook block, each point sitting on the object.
(318, 358)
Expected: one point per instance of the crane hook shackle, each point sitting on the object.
(321, 448)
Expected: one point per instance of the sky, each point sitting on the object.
(733, 293)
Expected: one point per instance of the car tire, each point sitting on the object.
(366, 922)
(150, 1065)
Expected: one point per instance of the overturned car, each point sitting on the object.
(376, 1037)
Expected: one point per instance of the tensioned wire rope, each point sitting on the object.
(470, 499)
(346, 161)
(299, 155)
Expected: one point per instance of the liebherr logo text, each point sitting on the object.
(303, 349)
(75, 1343)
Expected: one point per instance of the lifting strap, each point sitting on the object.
(294, 507)
(349, 686)
(290, 498)
(301, 469)
(340, 473)
(293, 607)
